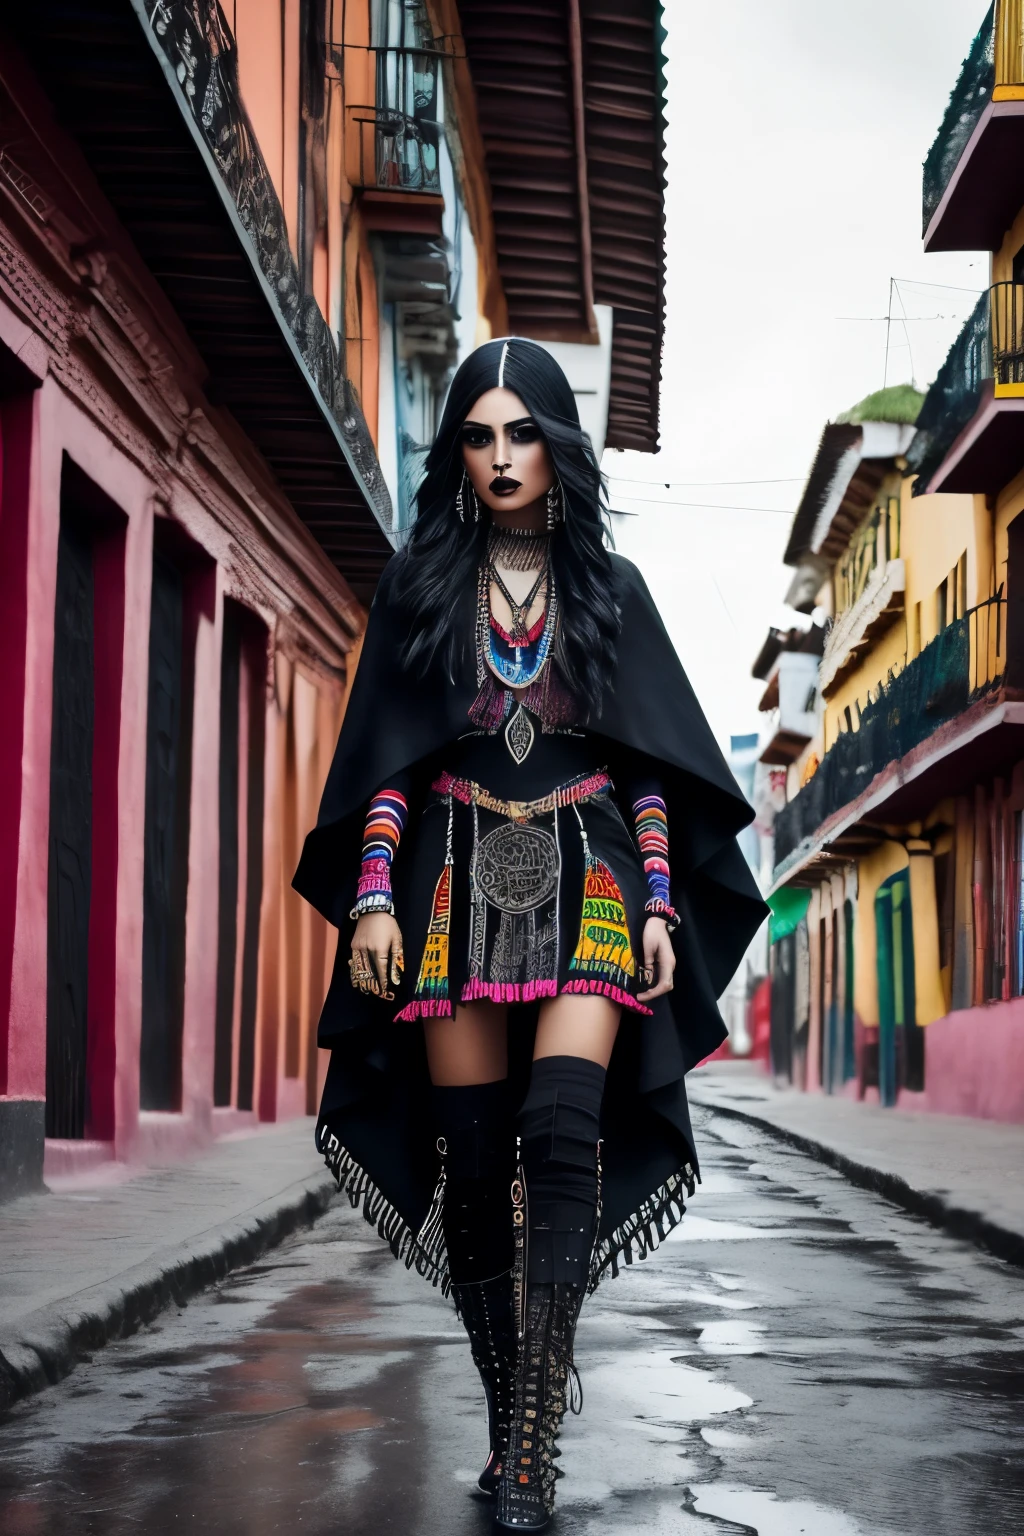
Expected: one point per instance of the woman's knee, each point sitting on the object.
(470, 1048)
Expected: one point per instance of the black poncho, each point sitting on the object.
(375, 1128)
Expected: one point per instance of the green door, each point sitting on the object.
(900, 1045)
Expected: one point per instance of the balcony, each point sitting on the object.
(869, 585)
(974, 173)
(916, 742)
(789, 700)
(398, 139)
(970, 433)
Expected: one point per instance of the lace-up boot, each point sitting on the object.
(485, 1308)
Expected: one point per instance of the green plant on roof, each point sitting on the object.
(900, 403)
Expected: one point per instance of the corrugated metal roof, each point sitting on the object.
(556, 255)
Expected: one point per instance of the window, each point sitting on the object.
(408, 107)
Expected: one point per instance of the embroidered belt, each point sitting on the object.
(591, 786)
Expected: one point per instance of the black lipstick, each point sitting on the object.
(504, 485)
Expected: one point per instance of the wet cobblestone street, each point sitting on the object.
(799, 1357)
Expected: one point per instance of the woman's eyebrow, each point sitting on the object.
(523, 421)
(482, 425)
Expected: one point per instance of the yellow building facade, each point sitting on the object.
(897, 822)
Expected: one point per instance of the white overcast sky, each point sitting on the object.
(796, 134)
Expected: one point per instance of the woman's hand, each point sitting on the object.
(377, 954)
(659, 959)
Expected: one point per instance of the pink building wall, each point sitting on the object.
(158, 454)
(974, 1063)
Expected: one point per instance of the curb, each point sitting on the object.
(971, 1226)
(46, 1345)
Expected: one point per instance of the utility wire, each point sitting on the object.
(687, 484)
(880, 320)
(895, 283)
(917, 282)
(707, 506)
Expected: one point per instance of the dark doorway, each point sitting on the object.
(254, 685)
(228, 814)
(70, 853)
(242, 706)
(783, 973)
(165, 879)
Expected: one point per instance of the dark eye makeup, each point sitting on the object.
(476, 435)
(525, 432)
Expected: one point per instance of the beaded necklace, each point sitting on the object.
(518, 659)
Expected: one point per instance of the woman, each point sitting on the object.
(547, 900)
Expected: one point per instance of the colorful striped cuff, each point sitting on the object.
(651, 819)
(385, 823)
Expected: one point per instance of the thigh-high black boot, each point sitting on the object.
(476, 1125)
(557, 1209)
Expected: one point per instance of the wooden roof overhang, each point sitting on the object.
(837, 440)
(570, 104)
(212, 233)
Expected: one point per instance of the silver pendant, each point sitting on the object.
(519, 735)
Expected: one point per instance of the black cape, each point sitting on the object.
(374, 1127)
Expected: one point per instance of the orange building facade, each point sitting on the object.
(243, 246)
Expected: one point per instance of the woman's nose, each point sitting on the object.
(499, 469)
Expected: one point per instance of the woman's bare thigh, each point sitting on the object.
(577, 1024)
(471, 1048)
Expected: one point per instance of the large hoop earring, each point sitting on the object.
(460, 500)
(555, 505)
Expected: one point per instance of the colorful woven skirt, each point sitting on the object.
(516, 901)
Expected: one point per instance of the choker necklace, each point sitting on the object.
(518, 549)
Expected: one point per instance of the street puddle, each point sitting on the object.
(731, 1336)
(762, 1514)
(710, 1299)
(344, 1373)
(659, 1387)
(702, 1229)
(647, 1403)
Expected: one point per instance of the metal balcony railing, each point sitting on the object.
(399, 136)
(960, 664)
(407, 152)
(955, 395)
(971, 95)
(989, 348)
(994, 66)
(396, 151)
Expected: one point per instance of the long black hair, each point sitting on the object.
(443, 554)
